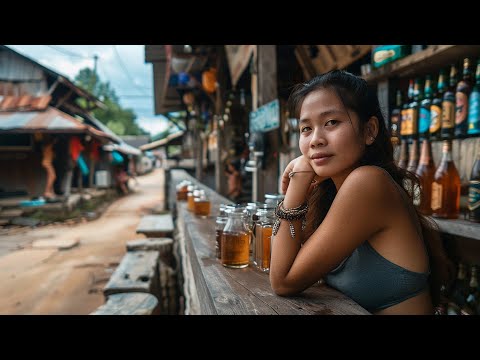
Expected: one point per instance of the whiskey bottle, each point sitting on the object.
(413, 156)
(426, 172)
(403, 160)
(425, 104)
(413, 109)
(446, 186)
(395, 120)
(406, 123)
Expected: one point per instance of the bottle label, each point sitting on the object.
(435, 118)
(406, 128)
(436, 196)
(474, 113)
(424, 123)
(461, 107)
(474, 195)
(417, 192)
(448, 114)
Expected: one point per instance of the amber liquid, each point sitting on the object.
(202, 208)
(218, 243)
(426, 173)
(413, 157)
(446, 187)
(235, 249)
(182, 194)
(190, 202)
(262, 252)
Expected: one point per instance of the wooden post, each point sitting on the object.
(267, 91)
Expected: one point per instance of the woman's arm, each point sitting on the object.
(357, 212)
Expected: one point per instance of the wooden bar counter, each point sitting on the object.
(211, 288)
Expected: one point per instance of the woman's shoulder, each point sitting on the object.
(372, 180)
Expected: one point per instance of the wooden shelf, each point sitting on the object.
(431, 59)
(459, 227)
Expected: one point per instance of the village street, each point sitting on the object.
(49, 280)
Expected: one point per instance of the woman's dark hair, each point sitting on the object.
(358, 97)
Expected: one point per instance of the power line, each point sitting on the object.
(67, 52)
(125, 69)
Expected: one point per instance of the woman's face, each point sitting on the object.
(332, 143)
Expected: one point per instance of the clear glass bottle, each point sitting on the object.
(235, 246)
(272, 200)
(191, 199)
(202, 205)
(220, 223)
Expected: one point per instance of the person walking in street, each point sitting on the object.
(47, 163)
(348, 215)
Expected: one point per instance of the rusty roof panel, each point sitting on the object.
(24, 103)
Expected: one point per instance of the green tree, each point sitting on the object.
(121, 121)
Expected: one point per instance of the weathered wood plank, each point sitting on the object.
(137, 272)
(459, 227)
(128, 304)
(158, 244)
(156, 225)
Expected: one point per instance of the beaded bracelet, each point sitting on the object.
(296, 213)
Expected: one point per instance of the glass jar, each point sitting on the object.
(263, 238)
(182, 190)
(220, 223)
(235, 247)
(202, 205)
(272, 200)
(191, 199)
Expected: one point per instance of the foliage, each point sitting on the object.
(121, 121)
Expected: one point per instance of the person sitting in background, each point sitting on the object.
(121, 180)
(234, 181)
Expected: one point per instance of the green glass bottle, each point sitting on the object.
(425, 104)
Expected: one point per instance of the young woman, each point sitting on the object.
(362, 234)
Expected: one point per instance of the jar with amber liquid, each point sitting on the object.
(426, 172)
(220, 223)
(263, 239)
(235, 245)
(446, 186)
(202, 205)
(192, 194)
(182, 190)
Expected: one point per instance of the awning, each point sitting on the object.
(124, 148)
(238, 57)
(162, 142)
(51, 120)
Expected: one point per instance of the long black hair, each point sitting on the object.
(358, 97)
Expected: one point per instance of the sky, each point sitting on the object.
(123, 66)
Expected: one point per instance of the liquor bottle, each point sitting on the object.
(406, 123)
(464, 87)
(413, 156)
(220, 223)
(426, 172)
(395, 119)
(414, 108)
(403, 160)
(474, 105)
(446, 186)
(474, 192)
(448, 106)
(425, 104)
(436, 108)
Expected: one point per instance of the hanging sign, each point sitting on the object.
(266, 117)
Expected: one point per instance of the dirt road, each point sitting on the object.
(46, 280)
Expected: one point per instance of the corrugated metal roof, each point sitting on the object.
(24, 102)
(51, 120)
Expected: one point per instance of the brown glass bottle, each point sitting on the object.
(413, 156)
(403, 160)
(474, 192)
(464, 88)
(406, 114)
(446, 186)
(395, 120)
(448, 106)
(436, 108)
(426, 172)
